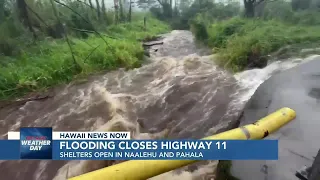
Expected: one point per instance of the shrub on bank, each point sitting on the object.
(244, 43)
(50, 62)
(220, 32)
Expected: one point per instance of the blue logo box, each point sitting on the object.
(36, 143)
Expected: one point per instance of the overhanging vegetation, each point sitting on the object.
(39, 49)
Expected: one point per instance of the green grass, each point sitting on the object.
(49, 62)
(240, 42)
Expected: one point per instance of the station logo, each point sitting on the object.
(35, 143)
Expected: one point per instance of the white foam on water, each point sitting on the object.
(180, 93)
(250, 80)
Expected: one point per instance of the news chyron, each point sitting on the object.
(35, 143)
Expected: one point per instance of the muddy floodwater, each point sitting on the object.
(179, 93)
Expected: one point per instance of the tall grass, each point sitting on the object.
(49, 62)
(242, 43)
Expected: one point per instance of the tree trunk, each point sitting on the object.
(98, 9)
(116, 12)
(175, 9)
(130, 11)
(171, 9)
(145, 23)
(103, 9)
(249, 8)
(24, 16)
(2, 9)
(90, 3)
(121, 11)
(56, 14)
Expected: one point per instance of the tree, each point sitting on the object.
(130, 11)
(24, 16)
(98, 9)
(90, 3)
(146, 4)
(315, 4)
(166, 8)
(300, 4)
(250, 6)
(121, 11)
(163, 7)
(280, 10)
(103, 9)
(2, 9)
(184, 5)
(56, 14)
(116, 10)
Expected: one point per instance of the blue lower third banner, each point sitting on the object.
(145, 150)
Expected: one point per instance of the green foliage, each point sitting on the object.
(33, 54)
(199, 29)
(300, 4)
(282, 11)
(162, 9)
(243, 43)
(182, 13)
(209, 12)
(220, 32)
(11, 34)
(49, 62)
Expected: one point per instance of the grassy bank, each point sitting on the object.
(49, 62)
(245, 43)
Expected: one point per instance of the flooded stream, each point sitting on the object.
(181, 93)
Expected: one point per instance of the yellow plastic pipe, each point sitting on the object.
(144, 169)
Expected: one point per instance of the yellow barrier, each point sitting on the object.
(144, 169)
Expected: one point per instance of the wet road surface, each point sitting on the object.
(299, 141)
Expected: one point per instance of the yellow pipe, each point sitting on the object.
(144, 169)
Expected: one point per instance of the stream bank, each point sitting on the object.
(179, 93)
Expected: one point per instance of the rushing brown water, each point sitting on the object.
(179, 94)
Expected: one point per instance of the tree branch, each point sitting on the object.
(159, 1)
(84, 3)
(85, 21)
(65, 34)
(85, 60)
(88, 31)
(37, 15)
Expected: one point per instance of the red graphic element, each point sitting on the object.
(36, 138)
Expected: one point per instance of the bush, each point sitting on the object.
(181, 16)
(11, 31)
(282, 11)
(243, 43)
(220, 32)
(199, 30)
